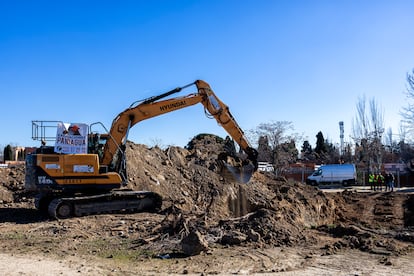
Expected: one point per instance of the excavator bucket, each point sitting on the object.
(236, 170)
(240, 174)
(236, 167)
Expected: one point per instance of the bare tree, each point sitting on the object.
(407, 112)
(368, 128)
(277, 132)
(388, 137)
(264, 150)
(360, 125)
(402, 132)
(157, 142)
(377, 118)
(282, 140)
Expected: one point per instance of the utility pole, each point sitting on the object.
(341, 136)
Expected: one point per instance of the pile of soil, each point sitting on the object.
(203, 210)
(275, 209)
(12, 185)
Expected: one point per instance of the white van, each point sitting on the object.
(265, 167)
(344, 174)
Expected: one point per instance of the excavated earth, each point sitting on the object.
(211, 225)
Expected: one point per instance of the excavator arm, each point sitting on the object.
(222, 114)
(154, 106)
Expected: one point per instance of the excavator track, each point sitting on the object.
(116, 201)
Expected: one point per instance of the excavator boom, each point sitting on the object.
(154, 106)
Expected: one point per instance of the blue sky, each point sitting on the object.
(307, 62)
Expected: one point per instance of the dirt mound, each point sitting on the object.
(201, 209)
(268, 210)
(189, 179)
(12, 185)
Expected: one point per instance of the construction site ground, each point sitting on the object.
(211, 225)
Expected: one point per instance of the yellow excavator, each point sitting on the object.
(93, 180)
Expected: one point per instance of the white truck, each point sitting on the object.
(344, 174)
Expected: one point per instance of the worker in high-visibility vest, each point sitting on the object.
(381, 181)
(371, 180)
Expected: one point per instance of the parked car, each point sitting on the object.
(344, 174)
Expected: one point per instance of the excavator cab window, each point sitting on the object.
(45, 150)
(96, 144)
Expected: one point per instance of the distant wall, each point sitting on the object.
(299, 171)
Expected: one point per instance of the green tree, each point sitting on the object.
(306, 147)
(8, 153)
(320, 144)
(307, 153)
